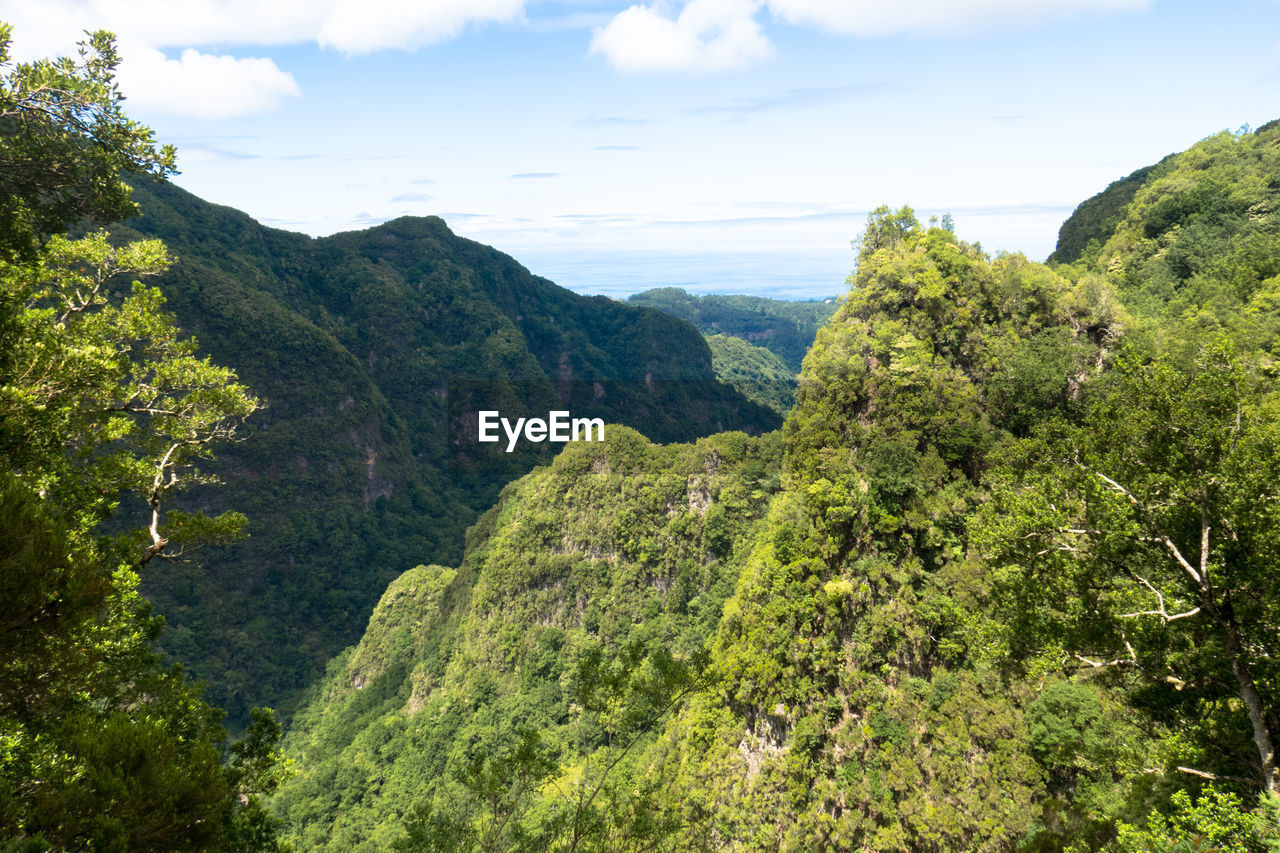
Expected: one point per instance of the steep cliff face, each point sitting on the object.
(353, 473)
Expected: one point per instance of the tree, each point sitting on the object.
(1144, 540)
(510, 791)
(102, 745)
(64, 144)
(885, 229)
(103, 393)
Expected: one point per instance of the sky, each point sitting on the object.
(715, 145)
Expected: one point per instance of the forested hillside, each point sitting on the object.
(783, 327)
(755, 371)
(351, 473)
(1004, 581)
(1097, 217)
(579, 612)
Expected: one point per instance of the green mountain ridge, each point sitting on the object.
(818, 580)
(625, 542)
(1096, 218)
(350, 476)
(755, 371)
(1003, 579)
(783, 327)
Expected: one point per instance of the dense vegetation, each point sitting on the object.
(1096, 218)
(1003, 583)
(578, 614)
(782, 327)
(102, 745)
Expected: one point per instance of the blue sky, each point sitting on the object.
(711, 144)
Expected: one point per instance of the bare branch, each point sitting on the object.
(1096, 664)
(1161, 536)
(1191, 771)
(1204, 541)
(1192, 612)
(1162, 612)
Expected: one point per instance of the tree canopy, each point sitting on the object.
(66, 143)
(1145, 537)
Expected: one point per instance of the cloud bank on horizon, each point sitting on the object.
(660, 37)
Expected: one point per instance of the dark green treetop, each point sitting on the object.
(65, 142)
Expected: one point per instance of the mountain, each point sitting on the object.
(816, 580)
(618, 546)
(373, 350)
(933, 612)
(1206, 213)
(1199, 238)
(785, 328)
(1097, 217)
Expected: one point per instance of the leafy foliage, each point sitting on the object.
(64, 144)
(1143, 537)
(102, 745)
(1216, 821)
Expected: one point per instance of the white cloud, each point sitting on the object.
(707, 35)
(352, 26)
(935, 17)
(53, 26)
(219, 86)
(363, 26)
(201, 85)
(713, 35)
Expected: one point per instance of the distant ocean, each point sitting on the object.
(620, 273)
(809, 270)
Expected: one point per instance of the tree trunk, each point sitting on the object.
(1252, 700)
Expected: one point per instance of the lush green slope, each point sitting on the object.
(785, 328)
(846, 710)
(625, 547)
(1196, 254)
(1202, 235)
(354, 471)
(755, 371)
(856, 710)
(1096, 218)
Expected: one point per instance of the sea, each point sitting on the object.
(619, 274)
